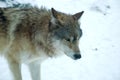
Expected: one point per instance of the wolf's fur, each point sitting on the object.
(30, 35)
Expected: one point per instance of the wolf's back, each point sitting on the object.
(9, 19)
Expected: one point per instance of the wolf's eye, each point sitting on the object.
(68, 40)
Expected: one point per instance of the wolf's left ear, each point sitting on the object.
(77, 16)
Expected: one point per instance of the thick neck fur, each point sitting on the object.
(39, 24)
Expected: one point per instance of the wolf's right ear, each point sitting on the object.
(54, 12)
(55, 15)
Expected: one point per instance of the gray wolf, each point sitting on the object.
(31, 35)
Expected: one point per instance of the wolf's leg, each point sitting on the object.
(35, 71)
(15, 68)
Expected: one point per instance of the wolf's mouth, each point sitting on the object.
(74, 56)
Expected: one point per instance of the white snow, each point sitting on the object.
(100, 43)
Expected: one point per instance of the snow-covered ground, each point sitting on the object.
(100, 43)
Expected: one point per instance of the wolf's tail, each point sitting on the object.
(1, 11)
(2, 17)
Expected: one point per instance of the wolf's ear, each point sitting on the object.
(77, 16)
(55, 13)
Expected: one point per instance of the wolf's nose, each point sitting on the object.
(77, 56)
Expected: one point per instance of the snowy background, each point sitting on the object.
(100, 43)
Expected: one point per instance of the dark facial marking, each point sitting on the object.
(80, 33)
(67, 31)
(61, 33)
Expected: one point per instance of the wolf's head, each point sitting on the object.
(66, 32)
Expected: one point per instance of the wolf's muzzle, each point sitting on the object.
(77, 56)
